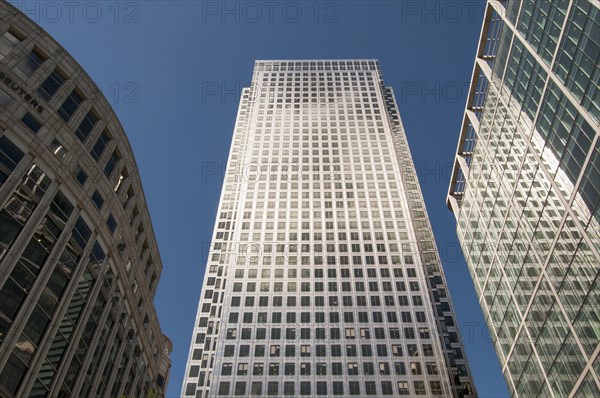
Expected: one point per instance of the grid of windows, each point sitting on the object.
(67, 327)
(315, 269)
(525, 192)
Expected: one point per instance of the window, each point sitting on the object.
(5, 98)
(86, 126)
(256, 388)
(399, 368)
(354, 388)
(273, 369)
(289, 369)
(352, 368)
(12, 375)
(29, 64)
(57, 149)
(431, 368)
(370, 388)
(420, 388)
(436, 387)
(224, 388)
(273, 388)
(8, 41)
(305, 388)
(226, 369)
(246, 334)
(112, 224)
(321, 369)
(427, 350)
(382, 350)
(98, 200)
(70, 105)
(111, 163)
(403, 388)
(288, 388)
(321, 388)
(305, 351)
(10, 156)
(31, 122)
(305, 369)
(290, 350)
(274, 350)
(51, 85)
(384, 368)
(100, 145)
(415, 368)
(258, 369)
(240, 388)
(338, 388)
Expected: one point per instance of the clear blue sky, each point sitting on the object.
(171, 70)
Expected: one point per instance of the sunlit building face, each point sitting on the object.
(323, 277)
(525, 192)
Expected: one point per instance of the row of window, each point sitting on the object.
(332, 248)
(313, 75)
(295, 88)
(326, 389)
(258, 161)
(332, 333)
(292, 260)
(288, 167)
(344, 104)
(331, 190)
(322, 368)
(359, 286)
(347, 301)
(333, 122)
(319, 301)
(329, 273)
(365, 222)
(334, 317)
(262, 172)
(368, 101)
(333, 64)
(374, 204)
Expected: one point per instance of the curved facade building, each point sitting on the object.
(79, 261)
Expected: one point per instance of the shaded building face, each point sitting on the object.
(323, 277)
(525, 192)
(78, 259)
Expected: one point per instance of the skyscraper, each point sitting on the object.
(525, 192)
(79, 264)
(323, 277)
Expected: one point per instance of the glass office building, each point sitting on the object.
(525, 192)
(79, 265)
(323, 277)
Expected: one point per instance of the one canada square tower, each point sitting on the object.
(323, 277)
